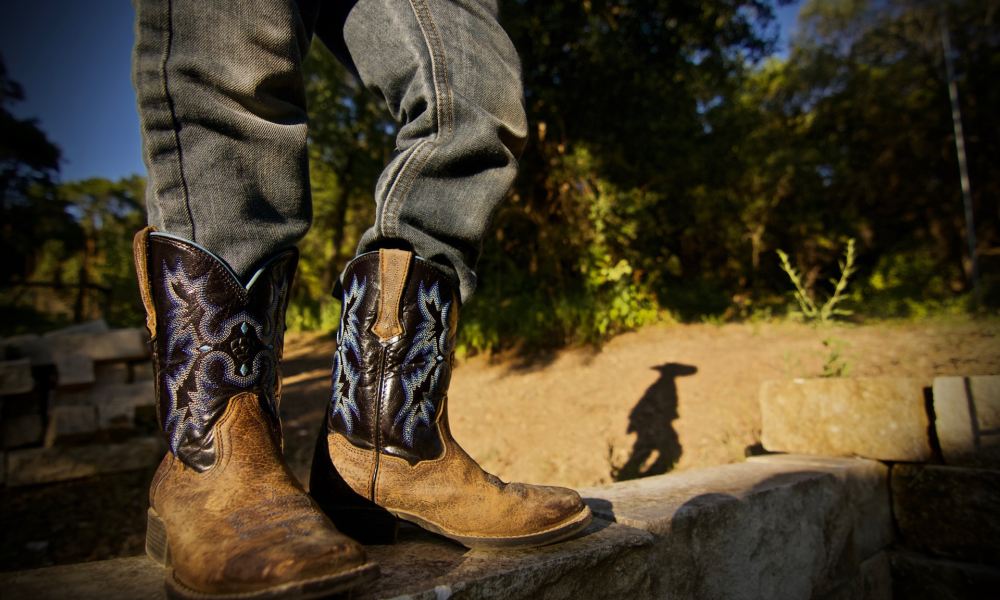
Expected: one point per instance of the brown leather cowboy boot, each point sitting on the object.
(226, 515)
(386, 450)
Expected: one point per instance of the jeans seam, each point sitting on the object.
(443, 120)
(174, 121)
(401, 180)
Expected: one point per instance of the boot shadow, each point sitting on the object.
(657, 448)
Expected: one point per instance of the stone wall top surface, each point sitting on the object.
(608, 557)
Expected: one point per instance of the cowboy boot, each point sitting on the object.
(386, 451)
(226, 515)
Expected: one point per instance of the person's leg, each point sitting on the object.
(449, 73)
(223, 122)
(223, 117)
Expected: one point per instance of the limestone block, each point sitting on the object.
(74, 369)
(880, 418)
(873, 582)
(117, 579)
(22, 430)
(114, 345)
(967, 419)
(29, 346)
(866, 496)
(111, 373)
(116, 404)
(608, 562)
(916, 577)
(44, 465)
(15, 377)
(142, 370)
(948, 511)
(876, 578)
(760, 529)
(94, 326)
(70, 423)
(72, 397)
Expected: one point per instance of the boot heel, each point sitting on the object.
(366, 525)
(156, 538)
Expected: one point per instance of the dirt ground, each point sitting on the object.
(664, 398)
(660, 399)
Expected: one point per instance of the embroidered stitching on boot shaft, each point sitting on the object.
(347, 358)
(422, 367)
(217, 338)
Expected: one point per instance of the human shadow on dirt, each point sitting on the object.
(657, 448)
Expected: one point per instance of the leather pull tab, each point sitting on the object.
(393, 267)
(140, 245)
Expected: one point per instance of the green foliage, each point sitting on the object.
(89, 274)
(565, 276)
(66, 247)
(835, 364)
(667, 156)
(313, 316)
(809, 310)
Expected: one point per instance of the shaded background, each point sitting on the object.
(675, 146)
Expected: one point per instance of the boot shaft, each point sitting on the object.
(394, 354)
(213, 337)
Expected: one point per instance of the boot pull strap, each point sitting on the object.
(393, 266)
(140, 245)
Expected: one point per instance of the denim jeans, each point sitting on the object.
(224, 122)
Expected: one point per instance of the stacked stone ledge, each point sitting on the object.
(826, 522)
(76, 402)
(775, 528)
(939, 439)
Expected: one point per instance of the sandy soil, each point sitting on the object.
(661, 399)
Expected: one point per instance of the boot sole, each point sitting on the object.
(380, 526)
(158, 550)
(565, 530)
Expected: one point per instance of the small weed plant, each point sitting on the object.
(836, 363)
(809, 308)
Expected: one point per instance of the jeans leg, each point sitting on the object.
(223, 117)
(450, 75)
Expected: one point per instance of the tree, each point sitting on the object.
(871, 77)
(30, 209)
(108, 213)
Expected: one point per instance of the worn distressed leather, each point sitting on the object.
(236, 521)
(387, 443)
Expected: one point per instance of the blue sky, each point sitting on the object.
(73, 60)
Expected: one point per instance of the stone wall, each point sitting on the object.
(74, 403)
(920, 520)
(941, 445)
(781, 527)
